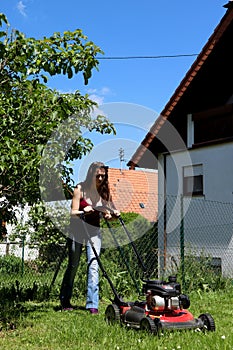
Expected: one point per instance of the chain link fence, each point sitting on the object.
(191, 234)
(195, 228)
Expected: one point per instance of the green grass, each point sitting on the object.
(42, 326)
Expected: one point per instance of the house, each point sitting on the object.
(18, 247)
(191, 144)
(135, 191)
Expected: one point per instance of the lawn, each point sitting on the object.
(43, 326)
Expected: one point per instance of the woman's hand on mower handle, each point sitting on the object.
(116, 212)
(88, 209)
(76, 212)
(107, 215)
(111, 214)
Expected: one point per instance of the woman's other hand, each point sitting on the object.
(111, 215)
(88, 209)
(116, 212)
(107, 215)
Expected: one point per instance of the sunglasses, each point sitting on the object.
(99, 176)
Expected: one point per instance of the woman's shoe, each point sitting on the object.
(66, 306)
(94, 311)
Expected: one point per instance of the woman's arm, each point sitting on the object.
(75, 205)
(76, 201)
(116, 212)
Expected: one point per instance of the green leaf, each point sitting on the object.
(3, 18)
(2, 34)
(70, 72)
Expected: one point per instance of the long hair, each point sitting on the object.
(103, 190)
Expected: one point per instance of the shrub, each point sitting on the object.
(200, 275)
(10, 264)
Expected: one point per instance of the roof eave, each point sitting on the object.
(183, 86)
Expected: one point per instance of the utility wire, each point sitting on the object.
(145, 57)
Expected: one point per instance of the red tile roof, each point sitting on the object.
(135, 191)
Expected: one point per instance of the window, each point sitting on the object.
(193, 180)
(213, 125)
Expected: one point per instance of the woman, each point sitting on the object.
(91, 193)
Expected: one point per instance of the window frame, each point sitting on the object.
(195, 178)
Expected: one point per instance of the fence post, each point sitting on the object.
(23, 241)
(182, 240)
(165, 235)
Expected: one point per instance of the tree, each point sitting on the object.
(30, 111)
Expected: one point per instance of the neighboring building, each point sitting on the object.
(192, 140)
(135, 191)
(18, 247)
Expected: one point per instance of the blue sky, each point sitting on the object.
(126, 28)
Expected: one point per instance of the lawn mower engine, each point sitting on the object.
(165, 296)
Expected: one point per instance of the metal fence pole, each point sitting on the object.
(165, 235)
(182, 240)
(23, 243)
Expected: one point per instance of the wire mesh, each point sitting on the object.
(191, 235)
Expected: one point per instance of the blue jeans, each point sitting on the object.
(75, 251)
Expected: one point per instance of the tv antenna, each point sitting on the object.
(122, 157)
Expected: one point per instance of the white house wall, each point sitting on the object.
(217, 168)
(208, 220)
(17, 248)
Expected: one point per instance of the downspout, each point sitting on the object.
(165, 214)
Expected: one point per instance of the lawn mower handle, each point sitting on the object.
(132, 244)
(103, 209)
(118, 299)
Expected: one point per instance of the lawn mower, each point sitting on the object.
(164, 307)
